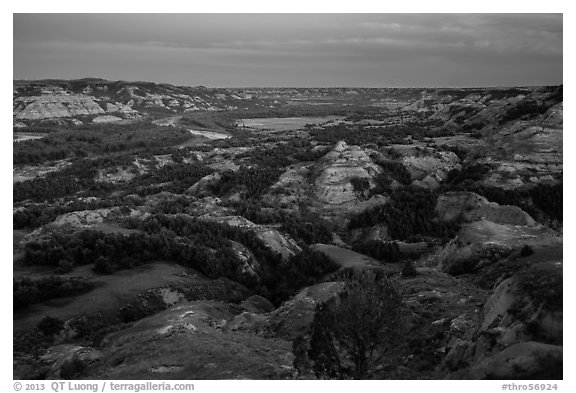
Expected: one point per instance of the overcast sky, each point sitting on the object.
(374, 50)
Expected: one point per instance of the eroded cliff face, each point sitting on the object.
(52, 100)
(429, 167)
(339, 167)
(56, 106)
(472, 207)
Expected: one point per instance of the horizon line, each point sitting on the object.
(286, 87)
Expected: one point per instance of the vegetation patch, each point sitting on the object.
(28, 291)
(303, 269)
(410, 215)
(97, 139)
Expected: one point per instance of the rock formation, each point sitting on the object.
(339, 166)
(55, 106)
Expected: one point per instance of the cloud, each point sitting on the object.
(290, 49)
(529, 35)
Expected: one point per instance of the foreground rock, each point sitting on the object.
(528, 360)
(68, 361)
(188, 342)
(520, 335)
(527, 306)
(295, 316)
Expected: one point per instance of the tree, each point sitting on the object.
(357, 330)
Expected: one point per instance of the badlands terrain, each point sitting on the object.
(172, 232)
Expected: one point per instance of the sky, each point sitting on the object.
(293, 50)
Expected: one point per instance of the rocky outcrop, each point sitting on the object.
(427, 103)
(470, 207)
(68, 361)
(527, 306)
(55, 106)
(509, 235)
(99, 219)
(257, 304)
(493, 110)
(84, 218)
(88, 218)
(247, 321)
(430, 166)
(124, 110)
(520, 334)
(529, 150)
(196, 340)
(117, 175)
(483, 242)
(276, 241)
(461, 258)
(527, 360)
(339, 167)
(30, 172)
(291, 187)
(201, 187)
(295, 316)
(248, 263)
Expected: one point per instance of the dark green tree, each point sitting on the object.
(358, 330)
